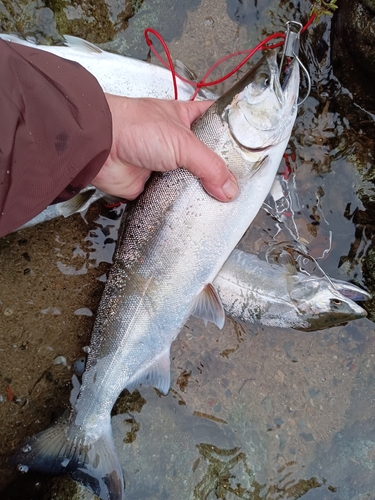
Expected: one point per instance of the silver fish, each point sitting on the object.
(174, 243)
(276, 295)
(119, 75)
(77, 204)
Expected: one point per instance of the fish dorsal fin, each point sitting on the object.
(185, 71)
(80, 44)
(188, 74)
(208, 307)
(287, 261)
(158, 375)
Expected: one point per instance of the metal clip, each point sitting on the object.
(291, 45)
(291, 49)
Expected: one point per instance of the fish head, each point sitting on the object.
(260, 110)
(321, 305)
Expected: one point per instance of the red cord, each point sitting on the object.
(308, 23)
(168, 54)
(202, 83)
(260, 46)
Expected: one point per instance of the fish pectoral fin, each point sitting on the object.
(208, 307)
(158, 375)
(287, 261)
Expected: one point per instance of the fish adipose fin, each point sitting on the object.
(93, 464)
(158, 375)
(208, 307)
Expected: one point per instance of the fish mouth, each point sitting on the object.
(283, 79)
(261, 111)
(330, 322)
(286, 73)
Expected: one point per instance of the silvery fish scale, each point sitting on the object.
(175, 241)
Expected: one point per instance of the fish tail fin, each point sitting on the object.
(64, 449)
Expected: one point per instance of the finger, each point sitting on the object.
(227, 192)
(196, 108)
(202, 162)
(118, 179)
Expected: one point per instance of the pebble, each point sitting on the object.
(60, 360)
(83, 311)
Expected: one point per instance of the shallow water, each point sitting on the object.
(255, 413)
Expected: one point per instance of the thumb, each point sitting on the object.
(216, 178)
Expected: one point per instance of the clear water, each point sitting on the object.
(253, 413)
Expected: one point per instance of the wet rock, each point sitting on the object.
(353, 49)
(165, 16)
(354, 449)
(33, 18)
(240, 12)
(370, 4)
(46, 22)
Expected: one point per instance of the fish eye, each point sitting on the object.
(263, 80)
(336, 302)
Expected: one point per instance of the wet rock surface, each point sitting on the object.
(253, 413)
(353, 54)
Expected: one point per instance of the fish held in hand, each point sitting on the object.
(174, 243)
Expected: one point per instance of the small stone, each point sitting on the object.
(60, 360)
(83, 311)
(55, 311)
(307, 436)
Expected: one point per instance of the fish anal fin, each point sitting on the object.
(208, 307)
(158, 375)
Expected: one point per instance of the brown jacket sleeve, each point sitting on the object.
(55, 131)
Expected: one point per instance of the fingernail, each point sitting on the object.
(230, 189)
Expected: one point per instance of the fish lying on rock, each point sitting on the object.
(279, 295)
(116, 74)
(174, 243)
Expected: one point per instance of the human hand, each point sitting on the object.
(154, 135)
